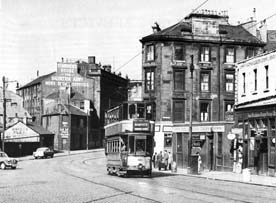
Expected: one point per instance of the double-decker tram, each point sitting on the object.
(129, 138)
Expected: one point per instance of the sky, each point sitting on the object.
(36, 34)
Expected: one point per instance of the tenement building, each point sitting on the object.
(205, 46)
(71, 102)
(255, 112)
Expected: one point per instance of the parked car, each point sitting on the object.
(43, 152)
(7, 162)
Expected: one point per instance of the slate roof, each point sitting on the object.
(36, 81)
(39, 129)
(74, 110)
(75, 95)
(229, 34)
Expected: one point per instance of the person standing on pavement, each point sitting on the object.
(159, 160)
(170, 160)
(166, 159)
(154, 157)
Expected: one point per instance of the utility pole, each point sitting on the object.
(191, 113)
(4, 113)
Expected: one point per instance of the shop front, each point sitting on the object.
(209, 140)
(259, 139)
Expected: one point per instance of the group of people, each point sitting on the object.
(162, 160)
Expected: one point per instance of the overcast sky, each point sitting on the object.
(35, 34)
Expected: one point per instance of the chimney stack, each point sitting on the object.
(91, 59)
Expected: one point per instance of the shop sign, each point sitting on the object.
(231, 136)
(215, 128)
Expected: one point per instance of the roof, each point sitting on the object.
(75, 95)
(36, 81)
(74, 110)
(228, 33)
(39, 129)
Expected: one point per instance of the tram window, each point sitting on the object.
(141, 110)
(140, 145)
(132, 111)
(131, 144)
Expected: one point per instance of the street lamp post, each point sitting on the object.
(191, 112)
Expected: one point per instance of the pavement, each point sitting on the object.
(246, 178)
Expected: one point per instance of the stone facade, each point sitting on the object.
(167, 57)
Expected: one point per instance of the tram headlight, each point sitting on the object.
(140, 166)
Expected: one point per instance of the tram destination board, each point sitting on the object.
(141, 126)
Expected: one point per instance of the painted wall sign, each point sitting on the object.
(21, 133)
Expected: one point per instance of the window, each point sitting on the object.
(229, 110)
(250, 52)
(230, 55)
(243, 78)
(204, 111)
(205, 54)
(149, 79)
(204, 81)
(178, 111)
(229, 82)
(179, 79)
(179, 53)
(266, 78)
(150, 52)
(255, 79)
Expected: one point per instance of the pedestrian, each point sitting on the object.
(170, 161)
(159, 160)
(154, 157)
(166, 159)
(198, 162)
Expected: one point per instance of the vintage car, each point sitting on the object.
(7, 162)
(43, 152)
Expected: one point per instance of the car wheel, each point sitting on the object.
(13, 167)
(3, 166)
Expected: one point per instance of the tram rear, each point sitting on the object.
(129, 135)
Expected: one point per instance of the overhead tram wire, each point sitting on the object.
(140, 52)
(262, 20)
(189, 14)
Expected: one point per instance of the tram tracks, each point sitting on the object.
(201, 192)
(118, 190)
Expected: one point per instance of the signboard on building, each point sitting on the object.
(64, 129)
(67, 75)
